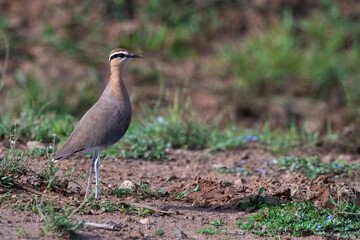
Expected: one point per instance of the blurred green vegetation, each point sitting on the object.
(173, 33)
(312, 167)
(315, 55)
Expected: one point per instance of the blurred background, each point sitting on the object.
(283, 63)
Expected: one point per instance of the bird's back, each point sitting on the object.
(101, 126)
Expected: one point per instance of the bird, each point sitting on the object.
(105, 123)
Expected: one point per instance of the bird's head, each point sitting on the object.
(119, 56)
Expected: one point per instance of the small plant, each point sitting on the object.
(217, 223)
(209, 231)
(5, 196)
(20, 231)
(141, 191)
(108, 206)
(121, 192)
(13, 165)
(63, 225)
(159, 232)
(187, 192)
(47, 177)
(28, 204)
(257, 203)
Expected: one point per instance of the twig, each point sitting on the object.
(115, 227)
(349, 213)
(106, 185)
(28, 189)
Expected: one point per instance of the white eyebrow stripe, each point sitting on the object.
(123, 52)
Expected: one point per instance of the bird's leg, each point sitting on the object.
(90, 175)
(97, 162)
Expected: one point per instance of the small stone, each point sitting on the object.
(180, 235)
(239, 182)
(127, 184)
(144, 221)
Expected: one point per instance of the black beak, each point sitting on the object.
(133, 55)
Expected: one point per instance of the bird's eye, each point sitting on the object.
(121, 55)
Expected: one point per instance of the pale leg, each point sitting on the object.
(97, 162)
(90, 175)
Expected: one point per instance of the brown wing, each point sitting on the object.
(102, 125)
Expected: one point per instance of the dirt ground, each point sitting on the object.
(219, 196)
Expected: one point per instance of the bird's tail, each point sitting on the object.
(61, 154)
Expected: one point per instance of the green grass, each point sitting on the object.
(210, 231)
(217, 223)
(312, 167)
(257, 202)
(213, 230)
(304, 219)
(172, 32)
(6, 196)
(47, 179)
(151, 139)
(14, 164)
(21, 231)
(62, 225)
(17, 163)
(109, 206)
(299, 58)
(35, 117)
(25, 203)
(36, 114)
(187, 192)
(159, 232)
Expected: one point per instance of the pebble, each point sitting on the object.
(127, 184)
(144, 221)
(180, 235)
